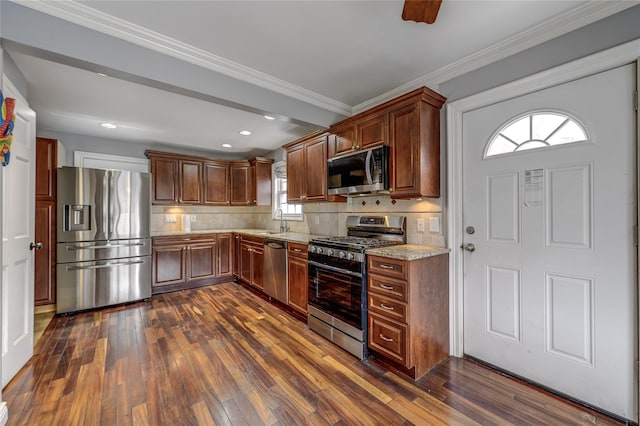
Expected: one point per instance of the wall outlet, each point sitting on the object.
(434, 224)
(170, 218)
(193, 218)
(420, 225)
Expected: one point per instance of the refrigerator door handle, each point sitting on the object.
(110, 246)
(106, 265)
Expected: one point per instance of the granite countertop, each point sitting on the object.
(408, 251)
(296, 237)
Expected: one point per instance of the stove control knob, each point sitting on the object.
(351, 256)
(330, 252)
(342, 255)
(313, 249)
(320, 251)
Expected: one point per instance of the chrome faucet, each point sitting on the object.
(283, 227)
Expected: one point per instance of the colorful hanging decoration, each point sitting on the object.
(6, 129)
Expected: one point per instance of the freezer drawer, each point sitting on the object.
(87, 285)
(102, 250)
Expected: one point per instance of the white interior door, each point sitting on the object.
(549, 290)
(18, 198)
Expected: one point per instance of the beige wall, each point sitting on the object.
(319, 218)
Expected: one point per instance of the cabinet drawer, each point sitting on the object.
(389, 267)
(297, 250)
(388, 286)
(388, 307)
(388, 338)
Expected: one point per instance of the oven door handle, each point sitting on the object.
(334, 269)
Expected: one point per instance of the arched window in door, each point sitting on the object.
(535, 130)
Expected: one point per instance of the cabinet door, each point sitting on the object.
(190, 182)
(240, 184)
(372, 132)
(257, 267)
(169, 265)
(245, 262)
(261, 188)
(342, 141)
(296, 174)
(315, 169)
(46, 161)
(216, 183)
(236, 255)
(45, 229)
(225, 246)
(298, 283)
(201, 260)
(405, 151)
(165, 180)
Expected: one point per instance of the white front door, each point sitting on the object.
(549, 292)
(18, 198)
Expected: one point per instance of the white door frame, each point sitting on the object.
(598, 62)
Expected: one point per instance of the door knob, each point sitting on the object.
(470, 247)
(36, 246)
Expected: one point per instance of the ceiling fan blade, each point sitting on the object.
(421, 10)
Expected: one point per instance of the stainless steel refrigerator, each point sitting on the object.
(103, 252)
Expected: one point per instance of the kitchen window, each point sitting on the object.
(290, 211)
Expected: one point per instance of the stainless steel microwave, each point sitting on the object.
(361, 172)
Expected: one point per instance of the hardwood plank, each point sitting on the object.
(222, 355)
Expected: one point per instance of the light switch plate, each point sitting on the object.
(434, 224)
(420, 225)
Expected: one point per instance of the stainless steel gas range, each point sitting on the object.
(338, 279)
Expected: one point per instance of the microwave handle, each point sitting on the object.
(367, 167)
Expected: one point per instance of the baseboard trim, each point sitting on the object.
(4, 413)
(43, 309)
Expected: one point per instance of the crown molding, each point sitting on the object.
(79, 14)
(561, 24)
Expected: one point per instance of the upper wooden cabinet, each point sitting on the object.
(307, 169)
(190, 179)
(359, 132)
(46, 162)
(216, 183)
(251, 182)
(342, 140)
(184, 179)
(414, 136)
(261, 189)
(410, 124)
(240, 172)
(165, 180)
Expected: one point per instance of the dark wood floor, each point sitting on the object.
(221, 355)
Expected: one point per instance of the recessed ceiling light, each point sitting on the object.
(109, 125)
(226, 145)
(268, 117)
(245, 132)
(101, 74)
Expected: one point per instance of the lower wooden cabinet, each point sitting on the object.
(251, 268)
(186, 261)
(408, 304)
(298, 271)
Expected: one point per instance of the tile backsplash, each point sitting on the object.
(319, 218)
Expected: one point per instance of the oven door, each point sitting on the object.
(337, 292)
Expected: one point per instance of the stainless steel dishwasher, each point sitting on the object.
(275, 270)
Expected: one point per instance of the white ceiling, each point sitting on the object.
(346, 52)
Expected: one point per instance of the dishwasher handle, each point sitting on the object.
(275, 244)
